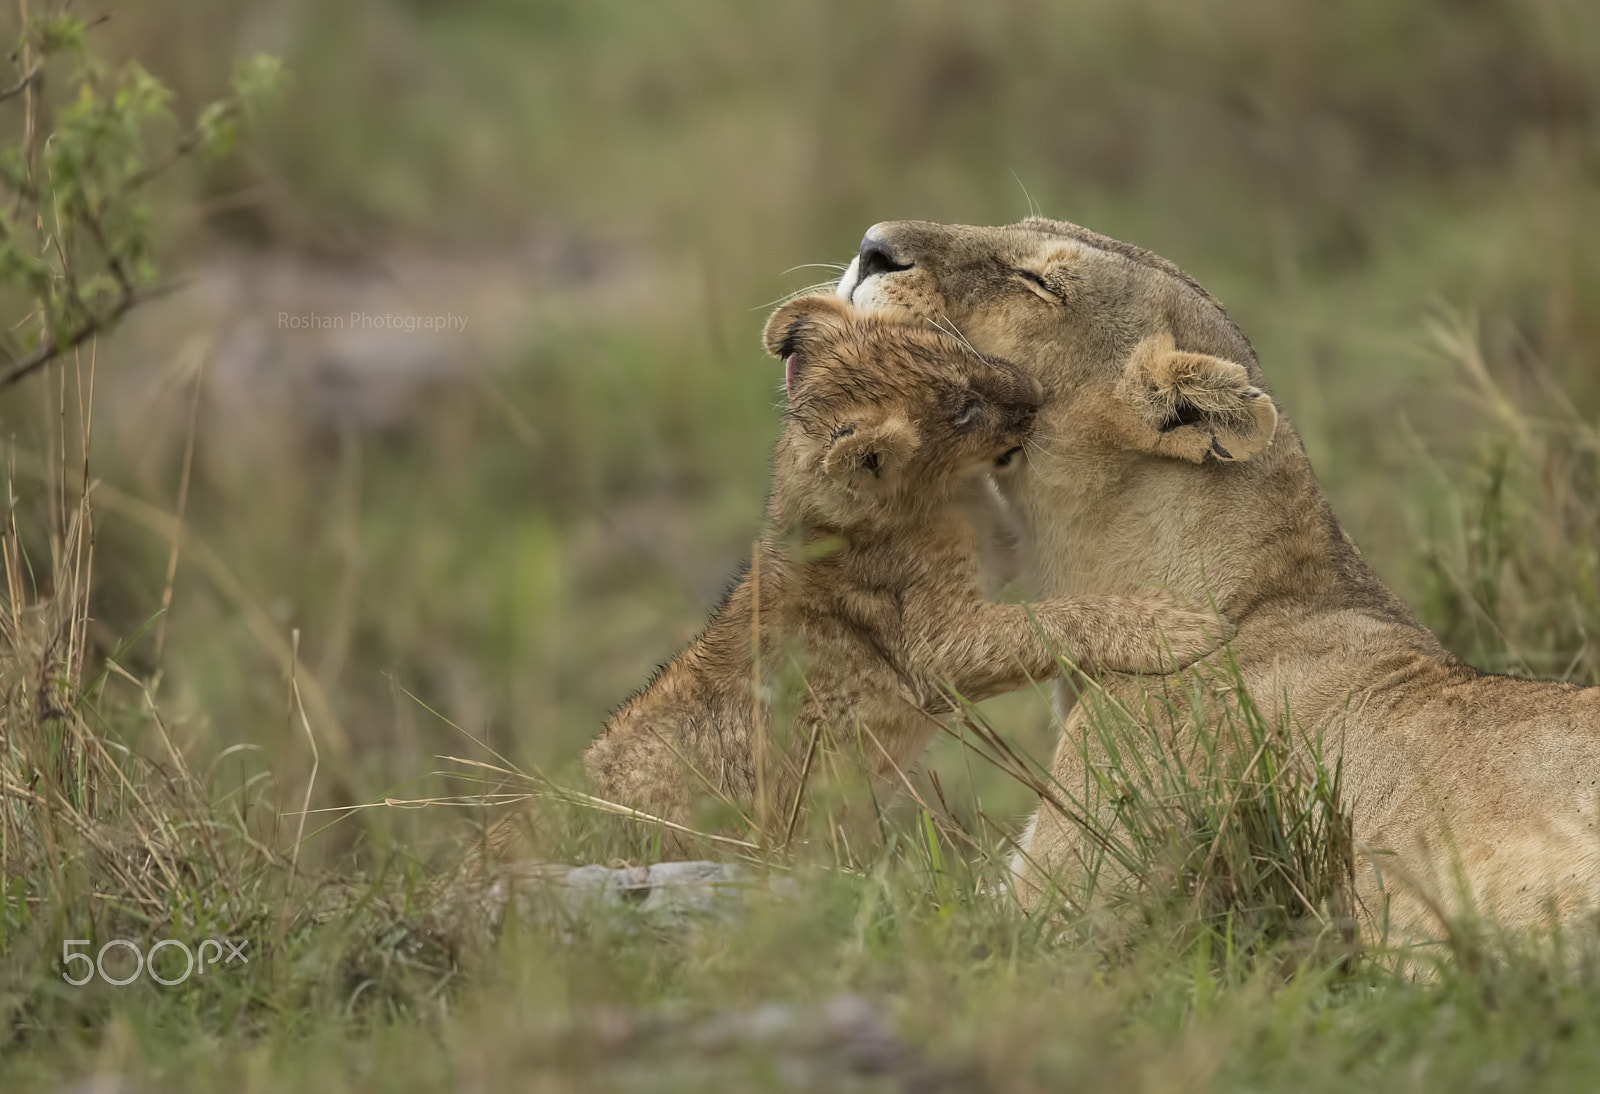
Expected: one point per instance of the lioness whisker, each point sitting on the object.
(795, 295)
(837, 267)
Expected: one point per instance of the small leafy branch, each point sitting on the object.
(76, 252)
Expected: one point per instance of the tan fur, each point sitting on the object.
(867, 573)
(1158, 455)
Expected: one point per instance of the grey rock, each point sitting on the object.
(664, 894)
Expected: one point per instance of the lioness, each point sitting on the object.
(868, 566)
(1159, 455)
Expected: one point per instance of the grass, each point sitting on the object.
(256, 611)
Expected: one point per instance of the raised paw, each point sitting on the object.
(1183, 637)
(1160, 636)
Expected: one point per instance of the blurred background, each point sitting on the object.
(512, 520)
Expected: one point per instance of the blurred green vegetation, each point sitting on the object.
(521, 545)
(1400, 203)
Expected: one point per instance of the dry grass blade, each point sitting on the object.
(298, 708)
(256, 617)
(800, 790)
(544, 786)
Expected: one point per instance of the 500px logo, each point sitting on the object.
(194, 960)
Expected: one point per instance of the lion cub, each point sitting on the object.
(867, 573)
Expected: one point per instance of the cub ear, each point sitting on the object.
(802, 318)
(1193, 406)
(864, 455)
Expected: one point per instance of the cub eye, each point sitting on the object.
(969, 411)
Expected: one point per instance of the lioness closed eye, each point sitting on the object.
(866, 572)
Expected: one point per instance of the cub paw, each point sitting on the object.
(1172, 637)
(1183, 637)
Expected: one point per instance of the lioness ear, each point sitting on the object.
(870, 455)
(1194, 406)
(802, 318)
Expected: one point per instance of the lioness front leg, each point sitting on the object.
(998, 648)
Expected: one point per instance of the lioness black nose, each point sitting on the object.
(877, 256)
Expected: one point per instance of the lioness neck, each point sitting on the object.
(1258, 538)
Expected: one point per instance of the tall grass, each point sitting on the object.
(111, 828)
(1215, 809)
(1512, 561)
(1201, 820)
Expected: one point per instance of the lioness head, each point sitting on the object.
(1132, 352)
(884, 412)
(1157, 456)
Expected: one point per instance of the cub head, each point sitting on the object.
(1133, 354)
(881, 412)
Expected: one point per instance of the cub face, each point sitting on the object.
(887, 412)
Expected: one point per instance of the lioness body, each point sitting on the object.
(867, 570)
(1157, 456)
